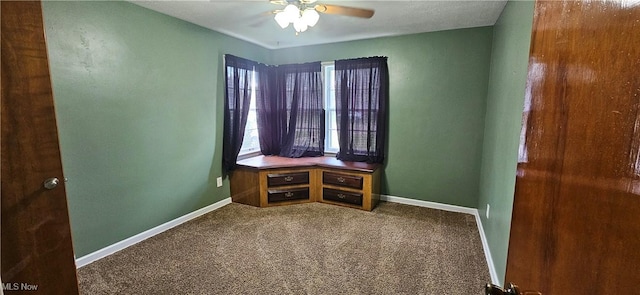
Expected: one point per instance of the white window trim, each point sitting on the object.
(327, 89)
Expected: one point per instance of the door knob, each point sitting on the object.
(491, 289)
(51, 183)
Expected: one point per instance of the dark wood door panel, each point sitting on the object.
(575, 226)
(37, 251)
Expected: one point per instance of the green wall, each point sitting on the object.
(139, 106)
(438, 85)
(510, 53)
(139, 101)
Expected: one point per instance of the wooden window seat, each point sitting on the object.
(265, 181)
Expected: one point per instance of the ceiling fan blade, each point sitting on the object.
(262, 19)
(344, 10)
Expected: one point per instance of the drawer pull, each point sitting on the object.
(288, 195)
(288, 178)
(341, 179)
(341, 196)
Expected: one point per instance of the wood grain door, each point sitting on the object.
(37, 253)
(576, 217)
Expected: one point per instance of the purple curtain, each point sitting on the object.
(299, 91)
(362, 95)
(238, 74)
(270, 111)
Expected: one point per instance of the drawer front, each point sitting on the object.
(287, 178)
(352, 181)
(342, 196)
(288, 195)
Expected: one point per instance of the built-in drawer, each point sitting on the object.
(287, 178)
(342, 196)
(288, 195)
(346, 180)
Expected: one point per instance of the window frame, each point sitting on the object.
(330, 146)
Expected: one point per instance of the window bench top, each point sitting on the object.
(273, 162)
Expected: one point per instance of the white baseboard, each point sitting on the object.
(487, 252)
(106, 251)
(459, 209)
(433, 205)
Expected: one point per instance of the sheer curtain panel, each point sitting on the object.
(299, 91)
(362, 95)
(270, 111)
(237, 96)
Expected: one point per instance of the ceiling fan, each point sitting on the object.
(304, 13)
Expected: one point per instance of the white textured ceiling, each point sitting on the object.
(249, 19)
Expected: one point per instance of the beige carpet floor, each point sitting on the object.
(301, 249)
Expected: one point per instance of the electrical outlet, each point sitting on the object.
(488, 208)
(219, 181)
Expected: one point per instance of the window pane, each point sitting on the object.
(334, 140)
(331, 134)
(251, 142)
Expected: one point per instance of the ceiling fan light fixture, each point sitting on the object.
(282, 19)
(304, 14)
(292, 12)
(300, 25)
(310, 16)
